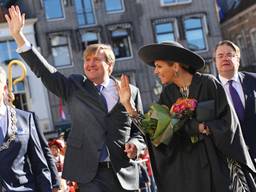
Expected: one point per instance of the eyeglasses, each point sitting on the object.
(228, 55)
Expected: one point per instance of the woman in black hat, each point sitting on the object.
(183, 165)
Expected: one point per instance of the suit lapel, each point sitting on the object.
(245, 88)
(91, 93)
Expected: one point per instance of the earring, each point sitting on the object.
(177, 74)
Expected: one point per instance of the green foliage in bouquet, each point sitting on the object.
(155, 124)
(159, 123)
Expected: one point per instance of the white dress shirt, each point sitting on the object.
(236, 84)
(110, 93)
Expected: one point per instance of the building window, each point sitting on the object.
(85, 12)
(60, 47)
(89, 38)
(20, 101)
(165, 30)
(53, 9)
(121, 43)
(253, 40)
(130, 74)
(174, 2)
(195, 29)
(8, 51)
(113, 6)
(241, 45)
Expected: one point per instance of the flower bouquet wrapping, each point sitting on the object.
(160, 123)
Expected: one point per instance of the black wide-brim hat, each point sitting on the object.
(170, 51)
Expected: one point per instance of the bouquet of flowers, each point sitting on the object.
(159, 123)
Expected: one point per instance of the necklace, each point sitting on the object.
(13, 128)
(184, 91)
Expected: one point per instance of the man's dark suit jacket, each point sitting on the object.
(92, 126)
(23, 165)
(248, 81)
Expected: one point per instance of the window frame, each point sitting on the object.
(9, 51)
(163, 4)
(163, 21)
(85, 43)
(58, 18)
(122, 26)
(24, 92)
(115, 11)
(68, 44)
(204, 28)
(84, 14)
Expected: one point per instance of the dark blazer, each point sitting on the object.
(248, 81)
(92, 126)
(23, 165)
(55, 178)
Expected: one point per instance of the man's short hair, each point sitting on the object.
(230, 44)
(94, 48)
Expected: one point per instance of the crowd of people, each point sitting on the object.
(106, 150)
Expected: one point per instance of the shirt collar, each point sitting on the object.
(224, 80)
(105, 83)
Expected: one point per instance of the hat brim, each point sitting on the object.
(152, 52)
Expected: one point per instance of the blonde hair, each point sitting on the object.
(94, 48)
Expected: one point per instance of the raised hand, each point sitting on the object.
(124, 90)
(16, 22)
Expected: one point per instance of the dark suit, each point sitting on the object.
(92, 126)
(55, 178)
(248, 81)
(23, 165)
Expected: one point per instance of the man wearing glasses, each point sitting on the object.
(240, 88)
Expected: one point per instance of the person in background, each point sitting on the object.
(240, 87)
(46, 150)
(57, 148)
(144, 177)
(184, 164)
(103, 143)
(23, 164)
(145, 156)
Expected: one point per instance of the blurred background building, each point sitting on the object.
(61, 30)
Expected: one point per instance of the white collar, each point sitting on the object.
(105, 83)
(224, 80)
